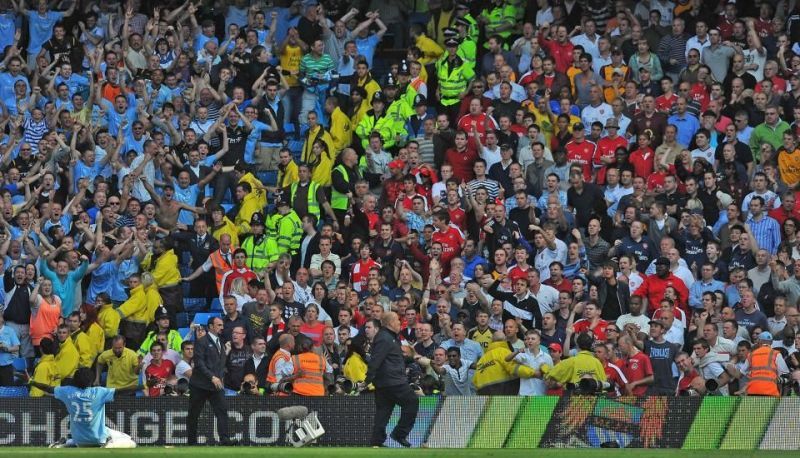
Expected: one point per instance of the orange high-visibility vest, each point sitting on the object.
(763, 372)
(271, 378)
(311, 382)
(220, 266)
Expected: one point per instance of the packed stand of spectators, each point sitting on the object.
(543, 191)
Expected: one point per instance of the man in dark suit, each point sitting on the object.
(309, 246)
(386, 371)
(206, 383)
(257, 363)
(200, 244)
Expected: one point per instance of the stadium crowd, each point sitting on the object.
(540, 190)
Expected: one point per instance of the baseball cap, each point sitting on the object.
(655, 323)
(612, 122)
(555, 347)
(578, 126)
(397, 164)
(765, 335)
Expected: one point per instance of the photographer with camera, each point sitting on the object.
(280, 372)
(250, 386)
(457, 374)
(584, 365)
(711, 367)
(764, 367)
(689, 382)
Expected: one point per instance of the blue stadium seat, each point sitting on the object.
(195, 304)
(13, 392)
(20, 365)
(268, 178)
(184, 332)
(296, 147)
(216, 306)
(288, 128)
(227, 207)
(202, 318)
(181, 319)
(230, 392)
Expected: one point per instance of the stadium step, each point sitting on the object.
(195, 304)
(202, 318)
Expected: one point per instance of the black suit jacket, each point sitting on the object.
(209, 361)
(199, 252)
(260, 371)
(313, 248)
(193, 177)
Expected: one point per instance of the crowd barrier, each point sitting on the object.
(454, 422)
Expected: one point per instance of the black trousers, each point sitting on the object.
(385, 400)
(7, 375)
(197, 400)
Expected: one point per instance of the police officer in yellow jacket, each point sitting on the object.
(290, 228)
(256, 245)
(397, 113)
(495, 375)
(374, 121)
(582, 365)
(454, 75)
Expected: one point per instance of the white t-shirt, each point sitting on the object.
(533, 386)
(707, 154)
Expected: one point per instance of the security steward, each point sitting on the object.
(582, 365)
(764, 365)
(454, 75)
(343, 180)
(255, 245)
(495, 375)
(307, 197)
(309, 371)
(386, 371)
(280, 365)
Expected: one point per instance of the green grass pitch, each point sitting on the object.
(354, 452)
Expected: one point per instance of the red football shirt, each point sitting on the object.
(636, 368)
(606, 147)
(462, 162)
(599, 331)
(664, 103)
(458, 217)
(642, 161)
(615, 375)
(582, 154)
(160, 372)
(451, 240)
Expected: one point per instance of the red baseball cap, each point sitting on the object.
(555, 347)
